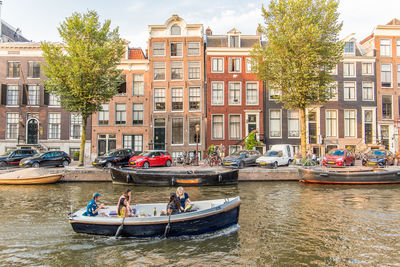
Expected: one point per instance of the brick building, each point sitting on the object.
(234, 94)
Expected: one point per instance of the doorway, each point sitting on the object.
(32, 136)
(159, 134)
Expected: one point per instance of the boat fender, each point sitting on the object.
(172, 181)
(324, 174)
(398, 173)
(219, 178)
(128, 178)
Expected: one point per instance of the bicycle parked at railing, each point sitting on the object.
(213, 160)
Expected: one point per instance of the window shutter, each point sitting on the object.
(24, 96)
(4, 94)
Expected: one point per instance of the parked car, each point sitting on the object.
(288, 150)
(151, 158)
(14, 157)
(339, 158)
(274, 158)
(379, 158)
(46, 159)
(241, 159)
(114, 158)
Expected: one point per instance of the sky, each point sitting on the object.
(39, 19)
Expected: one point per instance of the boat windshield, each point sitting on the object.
(110, 153)
(145, 154)
(273, 153)
(239, 153)
(336, 153)
(377, 153)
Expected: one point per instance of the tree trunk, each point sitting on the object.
(303, 133)
(83, 142)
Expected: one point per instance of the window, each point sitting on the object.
(192, 130)
(13, 69)
(33, 95)
(251, 93)
(102, 115)
(12, 125)
(193, 49)
(122, 86)
(349, 91)
(158, 49)
(386, 75)
(137, 114)
(367, 91)
(138, 84)
(385, 135)
(350, 123)
(194, 70)
(177, 131)
(398, 75)
(175, 30)
(293, 123)
(331, 123)
(250, 65)
(234, 148)
(176, 49)
(368, 126)
(234, 127)
(177, 99)
(12, 95)
(275, 123)
(274, 94)
(105, 143)
(349, 47)
(235, 93)
(234, 64)
(234, 41)
(332, 91)
(217, 93)
(76, 126)
(159, 99)
(134, 142)
(349, 70)
(387, 107)
(194, 98)
(54, 100)
(33, 69)
(386, 50)
(120, 113)
(367, 69)
(176, 70)
(217, 64)
(159, 71)
(217, 126)
(398, 47)
(54, 125)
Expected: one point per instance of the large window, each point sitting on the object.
(33, 95)
(176, 70)
(103, 115)
(217, 126)
(386, 49)
(350, 123)
(367, 69)
(194, 70)
(192, 130)
(234, 41)
(217, 64)
(177, 131)
(12, 125)
(293, 123)
(177, 99)
(398, 47)
(235, 93)
(217, 93)
(158, 49)
(122, 86)
(54, 100)
(234, 127)
(275, 123)
(333, 91)
(134, 142)
(349, 70)
(76, 126)
(33, 69)
(252, 93)
(331, 123)
(159, 99)
(194, 98)
(368, 91)
(13, 69)
(138, 84)
(193, 48)
(250, 65)
(159, 71)
(12, 95)
(120, 113)
(105, 143)
(234, 64)
(386, 75)
(54, 125)
(349, 91)
(368, 126)
(387, 107)
(274, 94)
(176, 49)
(349, 47)
(137, 114)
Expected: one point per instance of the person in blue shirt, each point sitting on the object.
(183, 197)
(92, 208)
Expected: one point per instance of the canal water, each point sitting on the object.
(281, 224)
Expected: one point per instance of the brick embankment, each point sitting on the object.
(263, 174)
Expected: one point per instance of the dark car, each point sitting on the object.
(13, 158)
(378, 158)
(241, 159)
(114, 158)
(47, 159)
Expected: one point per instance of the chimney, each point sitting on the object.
(208, 31)
(147, 53)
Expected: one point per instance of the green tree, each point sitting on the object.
(302, 45)
(251, 141)
(82, 70)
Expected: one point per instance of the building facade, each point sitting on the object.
(234, 94)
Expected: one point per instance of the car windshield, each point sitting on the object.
(336, 153)
(110, 153)
(377, 153)
(272, 153)
(145, 154)
(239, 153)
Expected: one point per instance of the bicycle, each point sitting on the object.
(213, 160)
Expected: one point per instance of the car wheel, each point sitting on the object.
(168, 163)
(146, 165)
(65, 163)
(35, 165)
(3, 164)
(241, 165)
(275, 165)
(109, 165)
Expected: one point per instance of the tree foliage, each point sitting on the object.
(251, 141)
(82, 69)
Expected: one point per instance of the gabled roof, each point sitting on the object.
(136, 53)
(234, 31)
(394, 21)
(12, 33)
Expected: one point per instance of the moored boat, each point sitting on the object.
(175, 177)
(207, 216)
(349, 176)
(29, 177)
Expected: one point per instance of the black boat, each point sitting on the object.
(349, 176)
(207, 216)
(182, 177)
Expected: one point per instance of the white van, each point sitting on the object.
(287, 150)
(278, 155)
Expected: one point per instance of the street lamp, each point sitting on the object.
(197, 127)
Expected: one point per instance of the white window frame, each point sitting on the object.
(269, 123)
(7, 73)
(54, 101)
(104, 113)
(40, 69)
(165, 71)
(154, 100)
(230, 101)
(230, 59)
(194, 62)
(163, 43)
(373, 109)
(75, 119)
(212, 126)
(59, 126)
(223, 93)
(198, 54)
(136, 82)
(183, 131)
(15, 122)
(182, 69)
(270, 94)
(172, 98)
(193, 118)
(390, 48)
(392, 107)
(298, 122)
(18, 95)
(170, 51)
(326, 123)
(257, 93)
(121, 112)
(212, 64)
(191, 96)
(398, 47)
(240, 126)
(363, 69)
(351, 52)
(391, 75)
(373, 91)
(354, 70)
(249, 64)
(29, 103)
(345, 123)
(344, 91)
(138, 112)
(335, 85)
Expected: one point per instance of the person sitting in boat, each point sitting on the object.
(122, 210)
(127, 195)
(173, 206)
(92, 208)
(183, 198)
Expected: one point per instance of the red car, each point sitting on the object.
(339, 158)
(151, 158)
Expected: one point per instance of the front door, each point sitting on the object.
(32, 132)
(159, 133)
(251, 123)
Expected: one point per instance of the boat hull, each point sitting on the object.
(175, 178)
(375, 176)
(48, 179)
